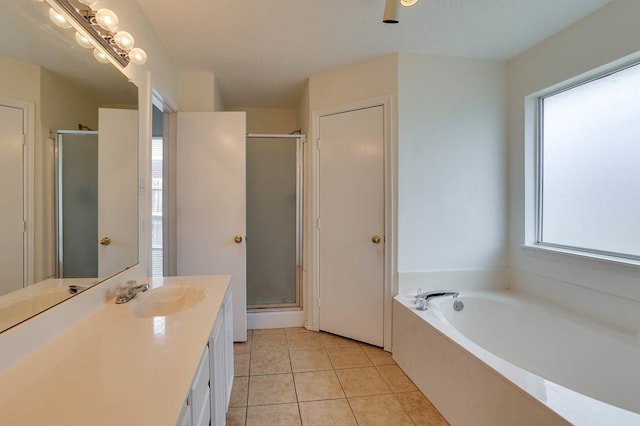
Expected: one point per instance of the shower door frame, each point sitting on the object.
(59, 208)
(300, 141)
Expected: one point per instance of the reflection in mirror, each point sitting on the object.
(49, 84)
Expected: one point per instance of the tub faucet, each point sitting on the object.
(124, 294)
(423, 298)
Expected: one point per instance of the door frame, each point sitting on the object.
(28, 179)
(390, 208)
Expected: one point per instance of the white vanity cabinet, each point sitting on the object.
(210, 392)
(221, 352)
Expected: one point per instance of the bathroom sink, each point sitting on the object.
(167, 300)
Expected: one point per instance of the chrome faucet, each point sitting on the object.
(423, 298)
(124, 294)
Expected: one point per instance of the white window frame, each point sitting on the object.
(538, 165)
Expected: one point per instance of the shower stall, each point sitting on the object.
(274, 221)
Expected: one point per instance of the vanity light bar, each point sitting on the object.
(90, 22)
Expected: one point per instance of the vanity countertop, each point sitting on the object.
(114, 368)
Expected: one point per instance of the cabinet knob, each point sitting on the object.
(237, 239)
(105, 241)
(376, 239)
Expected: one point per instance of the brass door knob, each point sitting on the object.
(237, 239)
(105, 241)
(376, 239)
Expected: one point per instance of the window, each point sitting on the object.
(588, 194)
(157, 254)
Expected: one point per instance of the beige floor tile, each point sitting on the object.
(241, 364)
(332, 341)
(396, 379)
(271, 389)
(362, 382)
(383, 410)
(273, 415)
(421, 411)
(242, 347)
(302, 340)
(378, 356)
(268, 342)
(239, 392)
(335, 412)
(236, 416)
(298, 330)
(348, 357)
(309, 360)
(270, 363)
(317, 385)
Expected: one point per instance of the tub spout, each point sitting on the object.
(423, 298)
(438, 293)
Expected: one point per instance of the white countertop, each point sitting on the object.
(113, 368)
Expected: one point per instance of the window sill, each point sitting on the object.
(611, 260)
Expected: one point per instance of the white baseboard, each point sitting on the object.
(272, 319)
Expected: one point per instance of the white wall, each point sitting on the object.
(270, 120)
(451, 164)
(605, 36)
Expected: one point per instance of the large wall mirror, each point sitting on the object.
(69, 211)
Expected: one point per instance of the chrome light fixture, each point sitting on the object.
(97, 29)
(391, 10)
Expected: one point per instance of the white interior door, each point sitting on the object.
(210, 198)
(12, 196)
(117, 197)
(351, 224)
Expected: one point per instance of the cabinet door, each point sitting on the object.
(200, 399)
(211, 202)
(228, 345)
(185, 415)
(218, 380)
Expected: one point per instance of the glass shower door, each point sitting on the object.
(274, 221)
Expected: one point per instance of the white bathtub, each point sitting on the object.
(507, 359)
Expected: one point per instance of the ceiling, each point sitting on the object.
(262, 51)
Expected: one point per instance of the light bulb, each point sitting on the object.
(138, 56)
(407, 3)
(124, 40)
(88, 2)
(58, 19)
(83, 41)
(107, 19)
(100, 56)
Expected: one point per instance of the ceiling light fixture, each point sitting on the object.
(97, 29)
(391, 10)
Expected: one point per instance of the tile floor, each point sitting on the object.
(293, 376)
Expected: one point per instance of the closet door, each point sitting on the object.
(210, 198)
(351, 224)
